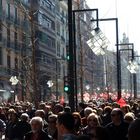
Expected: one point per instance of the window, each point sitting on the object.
(8, 10)
(9, 63)
(1, 56)
(8, 37)
(15, 14)
(16, 40)
(16, 63)
(58, 49)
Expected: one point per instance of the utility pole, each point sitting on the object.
(71, 59)
(34, 71)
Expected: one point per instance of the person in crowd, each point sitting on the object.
(129, 117)
(81, 108)
(117, 129)
(77, 122)
(58, 108)
(37, 132)
(22, 127)
(2, 128)
(52, 128)
(46, 108)
(65, 126)
(126, 108)
(11, 125)
(106, 116)
(2, 115)
(41, 113)
(67, 109)
(134, 130)
(92, 123)
(115, 105)
(87, 111)
(30, 110)
(135, 108)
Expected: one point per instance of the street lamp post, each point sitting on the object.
(74, 44)
(117, 54)
(133, 57)
(56, 80)
(71, 58)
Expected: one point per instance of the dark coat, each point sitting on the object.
(21, 129)
(118, 132)
(42, 136)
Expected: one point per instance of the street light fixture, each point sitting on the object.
(132, 67)
(117, 53)
(74, 50)
(98, 43)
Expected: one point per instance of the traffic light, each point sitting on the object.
(66, 84)
(67, 53)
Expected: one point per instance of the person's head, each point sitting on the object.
(52, 120)
(40, 113)
(125, 109)
(42, 106)
(77, 119)
(58, 108)
(134, 130)
(93, 120)
(65, 123)
(81, 106)
(129, 117)
(36, 124)
(12, 115)
(24, 117)
(107, 110)
(100, 111)
(115, 105)
(67, 109)
(116, 116)
(87, 111)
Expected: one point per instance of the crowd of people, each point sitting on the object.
(55, 121)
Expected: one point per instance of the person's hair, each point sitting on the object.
(41, 112)
(53, 116)
(95, 116)
(67, 109)
(38, 120)
(129, 117)
(108, 109)
(87, 111)
(134, 130)
(42, 106)
(77, 114)
(24, 116)
(119, 112)
(66, 119)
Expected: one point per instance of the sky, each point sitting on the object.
(127, 12)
